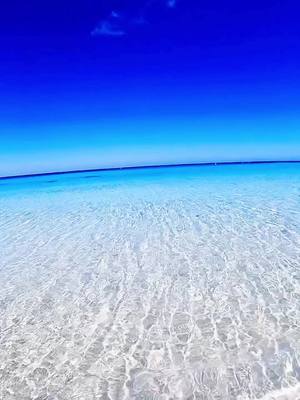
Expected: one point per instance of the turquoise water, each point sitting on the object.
(169, 283)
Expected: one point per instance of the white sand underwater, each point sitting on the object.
(153, 284)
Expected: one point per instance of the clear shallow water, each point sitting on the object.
(175, 283)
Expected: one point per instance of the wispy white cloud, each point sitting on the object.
(105, 28)
(118, 24)
(115, 14)
(110, 26)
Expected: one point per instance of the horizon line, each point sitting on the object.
(199, 164)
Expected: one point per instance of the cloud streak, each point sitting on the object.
(109, 26)
(117, 24)
(105, 28)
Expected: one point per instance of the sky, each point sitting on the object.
(96, 84)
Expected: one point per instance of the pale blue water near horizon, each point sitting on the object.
(168, 283)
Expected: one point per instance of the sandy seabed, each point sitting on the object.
(173, 285)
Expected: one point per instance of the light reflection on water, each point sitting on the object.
(176, 283)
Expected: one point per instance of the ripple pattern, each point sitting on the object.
(151, 291)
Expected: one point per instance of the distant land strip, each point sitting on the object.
(200, 164)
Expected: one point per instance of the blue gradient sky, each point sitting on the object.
(92, 84)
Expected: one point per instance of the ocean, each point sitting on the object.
(154, 284)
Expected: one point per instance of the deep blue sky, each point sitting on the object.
(88, 84)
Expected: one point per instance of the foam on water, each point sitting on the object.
(180, 283)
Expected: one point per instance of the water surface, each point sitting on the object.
(172, 283)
